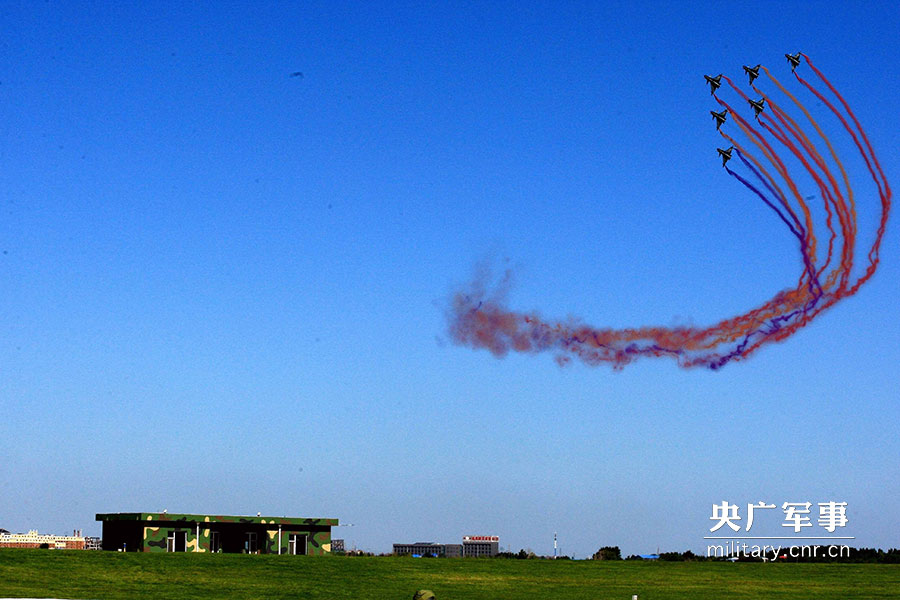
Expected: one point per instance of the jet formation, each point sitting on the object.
(757, 105)
(719, 117)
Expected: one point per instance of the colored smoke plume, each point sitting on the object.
(479, 317)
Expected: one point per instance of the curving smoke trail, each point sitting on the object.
(479, 317)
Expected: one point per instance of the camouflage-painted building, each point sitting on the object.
(165, 532)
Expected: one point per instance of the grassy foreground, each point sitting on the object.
(75, 574)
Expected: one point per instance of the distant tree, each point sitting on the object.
(671, 556)
(608, 553)
(44, 546)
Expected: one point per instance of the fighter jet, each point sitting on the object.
(757, 105)
(714, 82)
(794, 60)
(719, 117)
(725, 154)
(753, 73)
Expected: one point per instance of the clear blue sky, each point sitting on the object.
(223, 287)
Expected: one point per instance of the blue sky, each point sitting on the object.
(225, 287)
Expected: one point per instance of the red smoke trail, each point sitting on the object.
(779, 133)
(847, 216)
(479, 317)
(884, 190)
(757, 138)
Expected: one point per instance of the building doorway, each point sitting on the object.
(215, 542)
(297, 543)
(250, 546)
(176, 541)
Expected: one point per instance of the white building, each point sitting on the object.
(33, 539)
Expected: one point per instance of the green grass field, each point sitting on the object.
(78, 574)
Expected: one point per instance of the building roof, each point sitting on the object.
(170, 517)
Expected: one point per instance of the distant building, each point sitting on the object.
(429, 548)
(33, 539)
(472, 546)
(480, 545)
(92, 543)
(337, 545)
(164, 532)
